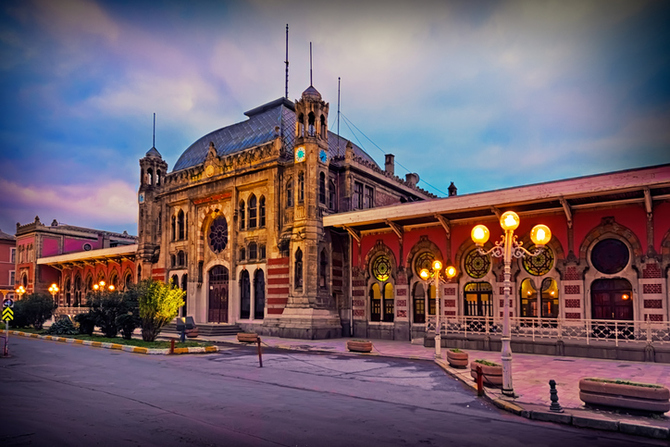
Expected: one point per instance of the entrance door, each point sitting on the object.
(218, 294)
(612, 299)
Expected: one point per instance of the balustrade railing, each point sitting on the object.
(588, 330)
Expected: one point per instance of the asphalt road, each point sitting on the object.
(55, 394)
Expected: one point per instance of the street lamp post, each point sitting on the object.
(425, 275)
(53, 290)
(20, 291)
(507, 248)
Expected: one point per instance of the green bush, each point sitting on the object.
(487, 363)
(106, 307)
(86, 323)
(127, 324)
(63, 326)
(159, 303)
(33, 310)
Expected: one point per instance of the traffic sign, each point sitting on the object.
(8, 302)
(7, 314)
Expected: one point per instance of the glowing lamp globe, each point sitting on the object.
(437, 265)
(450, 271)
(424, 274)
(111, 287)
(509, 221)
(540, 234)
(480, 234)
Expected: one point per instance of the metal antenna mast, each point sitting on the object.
(311, 84)
(154, 141)
(286, 62)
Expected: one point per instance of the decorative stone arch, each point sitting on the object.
(378, 249)
(423, 245)
(555, 246)
(465, 248)
(128, 273)
(608, 228)
(114, 278)
(206, 216)
(665, 254)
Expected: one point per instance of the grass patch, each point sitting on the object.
(159, 344)
(456, 350)
(625, 382)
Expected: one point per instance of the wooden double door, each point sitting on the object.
(219, 282)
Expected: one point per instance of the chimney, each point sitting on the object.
(412, 178)
(389, 165)
(452, 190)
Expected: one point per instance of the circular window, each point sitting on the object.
(541, 264)
(424, 261)
(610, 256)
(381, 268)
(87, 247)
(218, 235)
(477, 265)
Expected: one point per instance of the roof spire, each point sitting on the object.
(154, 140)
(286, 62)
(311, 84)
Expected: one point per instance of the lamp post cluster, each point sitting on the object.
(436, 275)
(53, 290)
(20, 291)
(507, 248)
(100, 287)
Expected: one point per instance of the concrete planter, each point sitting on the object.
(457, 359)
(359, 345)
(492, 374)
(247, 337)
(601, 392)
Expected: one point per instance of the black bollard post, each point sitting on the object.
(183, 335)
(480, 381)
(555, 407)
(172, 346)
(260, 357)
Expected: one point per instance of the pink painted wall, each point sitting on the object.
(49, 246)
(73, 245)
(661, 224)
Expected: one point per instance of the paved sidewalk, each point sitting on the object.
(531, 375)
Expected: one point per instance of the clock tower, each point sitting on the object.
(311, 311)
(152, 173)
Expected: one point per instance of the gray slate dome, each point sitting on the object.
(259, 129)
(153, 152)
(311, 92)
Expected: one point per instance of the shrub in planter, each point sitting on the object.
(63, 326)
(624, 394)
(33, 310)
(86, 323)
(457, 358)
(491, 371)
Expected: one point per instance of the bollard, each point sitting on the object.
(172, 346)
(183, 335)
(260, 356)
(480, 381)
(555, 407)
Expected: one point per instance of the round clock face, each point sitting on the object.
(140, 198)
(209, 171)
(300, 154)
(323, 156)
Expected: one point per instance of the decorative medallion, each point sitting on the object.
(424, 261)
(381, 268)
(209, 171)
(140, 198)
(477, 265)
(218, 235)
(299, 154)
(541, 264)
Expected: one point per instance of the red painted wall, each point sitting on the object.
(633, 217)
(49, 246)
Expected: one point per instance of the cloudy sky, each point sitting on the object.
(487, 94)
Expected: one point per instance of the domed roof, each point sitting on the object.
(265, 123)
(311, 92)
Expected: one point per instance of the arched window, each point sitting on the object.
(173, 260)
(323, 126)
(143, 179)
(68, 292)
(158, 177)
(174, 228)
(150, 176)
(181, 258)
(218, 234)
(252, 211)
(322, 188)
(388, 302)
(159, 222)
(186, 226)
(375, 303)
(259, 294)
(311, 122)
(477, 265)
(139, 273)
(253, 250)
(77, 291)
(331, 196)
(300, 126)
(180, 225)
(261, 251)
(174, 280)
(323, 269)
(261, 212)
(245, 295)
(114, 279)
(301, 187)
(419, 303)
(241, 213)
(243, 254)
(381, 292)
(297, 272)
(128, 281)
(289, 193)
(545, 299)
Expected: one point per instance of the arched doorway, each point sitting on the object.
(218, 294)
(259, 294)
(611, 299)
(245, 295)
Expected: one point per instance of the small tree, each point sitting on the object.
(159, 304)
(34, 310)
(129, 321)
(106, 307)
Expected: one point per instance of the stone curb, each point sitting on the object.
(126, 348)
(591, 421)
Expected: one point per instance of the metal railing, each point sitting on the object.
(588, 330)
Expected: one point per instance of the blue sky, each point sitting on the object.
(485, 94)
